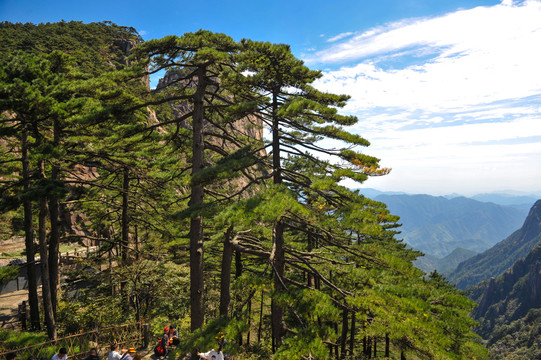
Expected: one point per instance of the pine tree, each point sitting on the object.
(199, 61)
(299, 116)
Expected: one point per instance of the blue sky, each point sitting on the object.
(447, 92)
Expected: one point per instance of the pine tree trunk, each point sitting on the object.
(364, 345)
(249, 311)
(136, 241)
(402, 356)
(260, 329)
(54, 247)
(277, 311)
(225, 278)
(387, 345)
(278, 253)
(125, 216)
(352, 335)
(345, 323)
(33, 298)
(54, 240)
(336, 346)
(375, 348)
(238, 274)
(238, 264)
(125, 228)
(46, 285)
(197, 291)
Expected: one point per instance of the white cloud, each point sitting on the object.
(485, 55)
(449, 101)
(461, 30)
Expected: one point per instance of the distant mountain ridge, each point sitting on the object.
(438, 225)
(521, 201)
(503, 255)
(506, 198)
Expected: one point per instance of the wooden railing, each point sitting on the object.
(78, 345)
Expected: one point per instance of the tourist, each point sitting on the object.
(165, 339)
(61, 355)
(173, 336)
(114, 354)
(129, 354)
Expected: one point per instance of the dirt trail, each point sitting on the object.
(8, 309)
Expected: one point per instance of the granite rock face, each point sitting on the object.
(250, 126)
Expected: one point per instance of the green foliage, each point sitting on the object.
(509, 310)
(92, 46)
(8, 273)
(517, 339)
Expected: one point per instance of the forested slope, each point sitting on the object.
(509, 309)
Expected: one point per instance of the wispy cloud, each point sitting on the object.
(340, 36)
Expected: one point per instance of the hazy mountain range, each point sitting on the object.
(450, 229)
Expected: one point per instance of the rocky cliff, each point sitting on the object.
(249, 126)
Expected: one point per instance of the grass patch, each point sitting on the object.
(16, 339)
(12, 254)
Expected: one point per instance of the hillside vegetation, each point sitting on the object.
(198, 220)
(509, 309)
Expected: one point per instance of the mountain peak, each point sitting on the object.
(532, 224)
